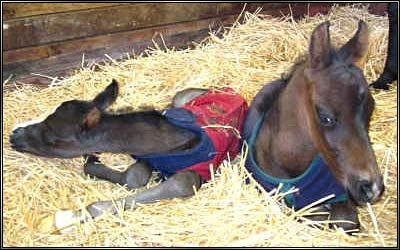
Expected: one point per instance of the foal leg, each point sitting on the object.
(180, 185)
(186, 95)
(345, 211)
(137, 174)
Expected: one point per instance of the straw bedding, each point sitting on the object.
(225, 211)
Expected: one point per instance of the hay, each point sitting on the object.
(225, 211)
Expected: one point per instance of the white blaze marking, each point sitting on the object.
(28, 123)
(33, 122)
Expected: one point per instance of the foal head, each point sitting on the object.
(61, 133)
(339, 107)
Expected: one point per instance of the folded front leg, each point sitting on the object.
(346, 215)
(340, 214)
(137, 175)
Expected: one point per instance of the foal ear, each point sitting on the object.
(320, 47)
(107, 97)
(355, 50)
(91, 119)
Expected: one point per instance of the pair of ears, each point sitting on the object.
(100, 103)
(353, 52)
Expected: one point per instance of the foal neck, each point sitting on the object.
(137, 133)
(283, 147)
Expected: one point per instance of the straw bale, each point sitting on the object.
(225, 211)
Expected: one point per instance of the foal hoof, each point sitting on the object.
(349, 227)
(377, 85)
(345, 216)
(339, 215)
(91, 159)
(61, 222)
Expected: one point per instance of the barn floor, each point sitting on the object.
(225, 211)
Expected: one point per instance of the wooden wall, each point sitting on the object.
(50, 38)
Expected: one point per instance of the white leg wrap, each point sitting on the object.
(65, 218)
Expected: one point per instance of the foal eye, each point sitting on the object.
(326, 119)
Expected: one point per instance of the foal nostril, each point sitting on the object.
(366, 192)
(16, 141)
(16, 144)
(16, 134)
(13, 139)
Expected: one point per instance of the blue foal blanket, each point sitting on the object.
(169, 163)
(223, 107)
(314, 184)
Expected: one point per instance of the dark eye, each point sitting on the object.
(326, 119)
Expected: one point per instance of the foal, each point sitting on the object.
(310, 130)
(178, 142)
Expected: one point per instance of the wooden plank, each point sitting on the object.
(18, 10)
(378, 8)
(86, 44)
(63, 65)
(108, 41)
(43, 29)
(177, 36)
(298, 10)
(33, 31)
(37, 52)
(117, 45)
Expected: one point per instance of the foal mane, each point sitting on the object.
(285, 78)
(266, 102)
(300, 60)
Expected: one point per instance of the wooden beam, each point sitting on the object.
(18, 10)
(57, 59)
(378, 8)
(38, 30)
(56, 27)
(64, 65)
(108, 41)
(174, 36)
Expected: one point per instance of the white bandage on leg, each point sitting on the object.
(63, 220)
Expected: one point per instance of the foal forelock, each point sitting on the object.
(345, 90)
